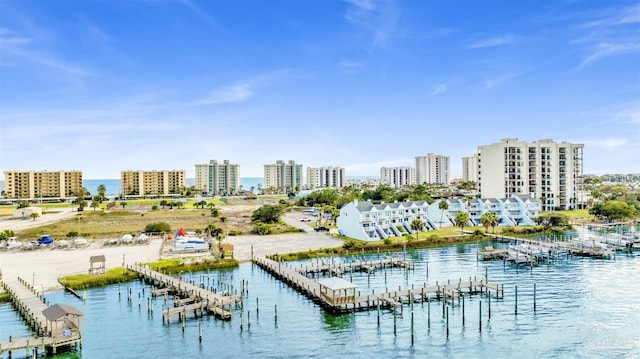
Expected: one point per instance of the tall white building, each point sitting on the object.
(433, 169)
(544, 169)
(398, 177)
(283, 176)
(470, 168)
(325, 177)
(218, 178)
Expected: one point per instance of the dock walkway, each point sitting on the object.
(338, 268)
(312, 289)
(30, 306)
(197, 299)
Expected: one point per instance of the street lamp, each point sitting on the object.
(33, 281)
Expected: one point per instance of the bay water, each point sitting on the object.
(585, 308)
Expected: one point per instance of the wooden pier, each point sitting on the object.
(337, 268)
(53, 325)
(348, 299)
(195, 299)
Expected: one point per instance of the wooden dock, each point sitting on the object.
(49, 335)
(195, 299)
(338, 268)
(295, 278)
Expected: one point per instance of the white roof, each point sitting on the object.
(336, 283)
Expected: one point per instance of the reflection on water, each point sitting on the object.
(584, 308)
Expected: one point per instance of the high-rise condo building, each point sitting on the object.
(433, 169)
(470, 168)
(163, 182)
(544, 169)
(398, 177)
(42, 184)
(283, 177)
(325, 177)
(218, 178)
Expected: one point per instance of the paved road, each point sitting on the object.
(18, 224)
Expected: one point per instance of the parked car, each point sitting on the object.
(45, 240)
(305, 219)
(321, 228)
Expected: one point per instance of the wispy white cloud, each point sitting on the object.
(227, 94)
(608, 35)
(349, 66)
(494, 41)
(379, 18)
(203, 14)
(492, 82)
(603, 50)
(440, 88)
(25, 48)
(243, 90)
(624, 16)
(8, 37)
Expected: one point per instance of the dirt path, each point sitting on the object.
(52, 216)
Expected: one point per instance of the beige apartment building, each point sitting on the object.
(163, 182)
(321, 177)
(42, 184)
(548, 171)
(218, 178)
(433, 169)
(283, 177)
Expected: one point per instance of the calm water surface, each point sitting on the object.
(585, 309)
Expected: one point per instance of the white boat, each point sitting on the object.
(191, 243)
(13, 242)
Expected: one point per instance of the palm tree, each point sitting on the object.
(95, 204)
(462, 218)
(416, 225)
(34, 215)
(215, 212)
(123, 204)
(443, 205)
(489, 219)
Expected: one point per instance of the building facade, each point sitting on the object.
(398, 177)
(369, 222)
(218, 179)
(143, 183)
(433, 169)
(470, 168)
(322, 177)
(283, 177)
(42, 184)
(544, 169)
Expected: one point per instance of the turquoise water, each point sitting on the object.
(585, 308)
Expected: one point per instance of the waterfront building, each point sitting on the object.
(544, 169)
(432, 169)
(470, 168)
(163, 182)
(42, 184)
(321, 177)
(368, 222)
(398, 177)
(283, 177)
(218, 178)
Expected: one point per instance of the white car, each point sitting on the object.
(305, 219)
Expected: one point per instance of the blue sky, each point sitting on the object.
(105, 86)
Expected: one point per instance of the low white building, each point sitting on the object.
(369, 222)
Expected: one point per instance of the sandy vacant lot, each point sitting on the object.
(45, 266)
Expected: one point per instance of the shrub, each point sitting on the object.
(157, 227)
(234, 232)
(352, 244)
(72, 234)
(387, 241)
(262, 228)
